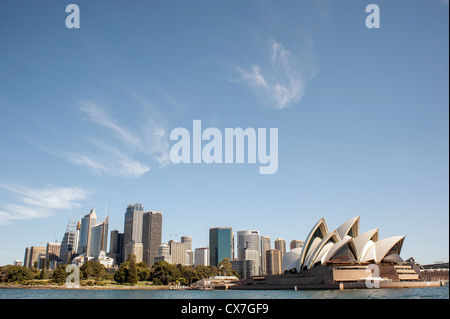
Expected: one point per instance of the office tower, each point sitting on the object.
(99, 240)
(70, 241)
(244, 268)
(135, 249)
(163, 253)
(133, 226)
(220, 244)
(248, 247)
(280, 244)
(26, 259)
(163, 250)
(188, 241)
(116, 247)
(296, 244)
(201, 256)
(189, 257)
(32, 255)
(151, 236)
(265, 245)
(247, 239)
(273, 258)
(89, 220)
(52, 252)
(178, 252)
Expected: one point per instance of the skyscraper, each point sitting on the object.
(280, 244)
(32, 255)
(70, 241)
(201, 256)
(116, 247)
(87, 222)
(53, 252)
(99, 240)
(133, 227)
(151, 236)
(265, 245)
(220, 244)
(188, 241)
(273, 258)
(248, 248)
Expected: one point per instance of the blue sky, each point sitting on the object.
(362, 117)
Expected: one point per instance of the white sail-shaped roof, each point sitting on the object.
(380, 248)
(364, 241)
(336, 247)
(349, 228)
(290, 259)
(319, 231)
(332, 238)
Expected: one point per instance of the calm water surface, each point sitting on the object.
(399, 293)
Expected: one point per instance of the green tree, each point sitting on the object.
(224, 268)
(60, 275)
(128, 271)
(206, 271)
(143, 271)
(164, 273)
(188, 275)
(92, 269)
(19, 273)
(133, 277)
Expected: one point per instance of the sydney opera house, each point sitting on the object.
(341, 258)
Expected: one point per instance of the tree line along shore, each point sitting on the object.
(130, 275)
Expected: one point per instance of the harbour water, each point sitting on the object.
(400, 293)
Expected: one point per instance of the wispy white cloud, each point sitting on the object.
(38, 202)
(107, 161)
(99, 115)
(123, 151)
(281, 81)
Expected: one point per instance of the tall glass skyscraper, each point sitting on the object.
(221, 244)
(87, 222)
(248, 248)
(151, 236)
(133, 226)
(99, 240)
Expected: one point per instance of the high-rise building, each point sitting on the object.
(247, 239)
(273, 258)
(244, 268)
(221, 244)
(116, 247)
(69, 244)
(201, 256)
(178, 252)
(135, 249)
(188, 241)
(151, 236)
(133, 226)
(265, 245)
(248, 248)
(52, 252)
(32, 255)
(89, 220)
(99, 240)
(296, 244)
(280, 244)
(163, 250)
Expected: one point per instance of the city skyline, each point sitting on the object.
(361, 116)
